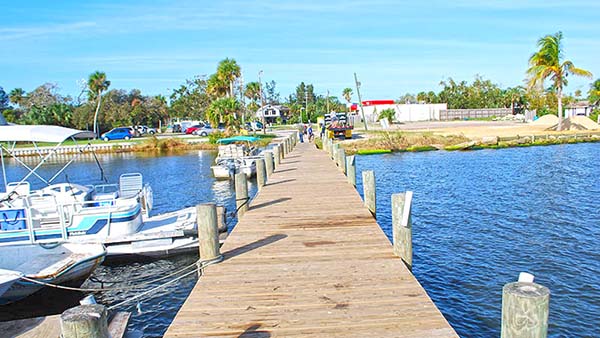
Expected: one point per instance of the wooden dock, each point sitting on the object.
(308, 259)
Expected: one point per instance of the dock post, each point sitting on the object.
(283, 150)
(402, 226)
(351, 170)
(89, 321)
(269, 163)
(276, 157)
(241, 194)
(368, 177)
(261, 173)
(525, 307)
(222, 218)
(334, 149)
(281, 154)
(208, 231)
(342, 160)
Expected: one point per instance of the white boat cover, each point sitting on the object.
(40, 133)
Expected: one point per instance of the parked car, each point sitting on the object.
(121, 133)
(191, 129)
(254, 125)
(207, 129)
(143, 130)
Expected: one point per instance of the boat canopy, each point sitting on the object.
(234, 139)
(40, 133)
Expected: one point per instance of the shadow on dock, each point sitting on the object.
(251, 332)
(266, 204)
(254, 245)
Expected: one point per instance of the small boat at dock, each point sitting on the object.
(236, 155)
(116, 215)
(24, 269)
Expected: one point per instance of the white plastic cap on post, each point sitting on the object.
(526, 277)
(88, 300)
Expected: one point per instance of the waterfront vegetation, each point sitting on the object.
(223, 97)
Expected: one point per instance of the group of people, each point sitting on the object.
(305, 130)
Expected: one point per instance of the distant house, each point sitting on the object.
(580, 108)
(272, 112)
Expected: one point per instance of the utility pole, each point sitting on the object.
(305, 106)
(362, 111)
(262, 102)
(242, 99)
(327, 112)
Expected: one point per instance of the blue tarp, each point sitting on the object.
(238, 139)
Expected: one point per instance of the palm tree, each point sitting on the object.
(252, 91)
(593, 94)
(347, 93)
(228, 71)
(17, 96)
(97, 83)
(224, 110)
(547, 63)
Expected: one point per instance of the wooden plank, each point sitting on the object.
(118, 324)
(308, 258)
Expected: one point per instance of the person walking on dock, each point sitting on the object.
(301, 132)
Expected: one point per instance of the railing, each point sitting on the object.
(64, 211)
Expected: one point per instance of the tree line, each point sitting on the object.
(222, 97)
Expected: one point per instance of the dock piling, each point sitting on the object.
(525, 308)
(241, 194)
(85, 321)
(269, 163)
(276, 157)
(402, 226)
(261, 173)
(341, 156)
(334, 149)
(208, 231)
(368, 177)
(351, 170)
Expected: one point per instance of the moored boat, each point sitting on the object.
(24, 269)
(111, 214)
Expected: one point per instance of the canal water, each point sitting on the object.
(481, 217)
(178, 180)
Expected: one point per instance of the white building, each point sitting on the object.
(406, 112)
(582, 108)
(272, 112)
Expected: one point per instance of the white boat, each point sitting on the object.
(227, 167)
(234, 158)
(111, 214)
(25, 267)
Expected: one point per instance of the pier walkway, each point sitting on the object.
(308, 259)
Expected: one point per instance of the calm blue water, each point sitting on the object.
(178, 181)
(480, 218)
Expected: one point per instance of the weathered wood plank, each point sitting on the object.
(308, 258)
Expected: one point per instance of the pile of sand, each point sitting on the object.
(584, 122)
(546, 120)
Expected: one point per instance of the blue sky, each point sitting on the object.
(394, 46)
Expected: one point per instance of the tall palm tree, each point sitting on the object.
(224, 110)
(228, 71)
(97, 83)
(347, 93)
(252, 91)
(16, 96)
(547, 63)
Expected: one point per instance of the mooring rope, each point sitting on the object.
(200, 264)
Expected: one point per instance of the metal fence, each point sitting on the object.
(460, 114)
